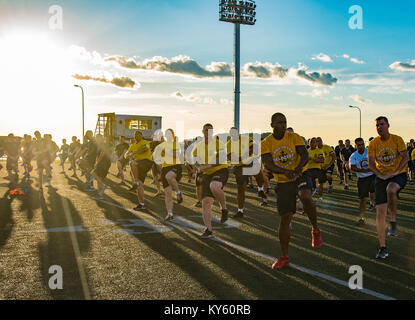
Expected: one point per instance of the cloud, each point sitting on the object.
(354, 60)
(325, 79)
(403, 66)
(315, 93)
(123, 82)
(193, 98)
(263, 70)
(180, 64)
(322, 57)
(338, 98)
(358, 98)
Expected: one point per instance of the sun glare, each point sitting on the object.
(35, 78)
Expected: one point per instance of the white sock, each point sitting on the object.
(241, 210)
(260, 189)
(142, 203)
(170, 213)
(137, 183)
(178, 192)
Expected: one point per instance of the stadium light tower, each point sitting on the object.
(83, 121)
(360, 115)
(237, 12)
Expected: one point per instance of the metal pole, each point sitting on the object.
(83, 117)
(360, 115)
(237, 75)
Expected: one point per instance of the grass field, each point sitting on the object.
(113, 252)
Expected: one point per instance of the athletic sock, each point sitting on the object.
(260, 189)
(178, 192)
(142, 203)
(170, 213)
(241, 210)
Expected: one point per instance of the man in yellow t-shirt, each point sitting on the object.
(142, 163)
(388, 159)
(240, 151)
(168, 154)
(285, 154)
(315, 161)
(327, 167)
(211, 162)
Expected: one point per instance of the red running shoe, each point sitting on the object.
(317, 241)
(282, 262)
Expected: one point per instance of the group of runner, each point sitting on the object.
(295, 164)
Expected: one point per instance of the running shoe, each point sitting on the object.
(392, 231)
(198, 204)
(224, 215)
(361, 222)
(411, 182)
(47, 184)
(90, 188)
(207, 234)
(282, 262)
(168, 217)
(341, 182)
(371, 207)
(238, 215)
(179, 197)
(262, 194)
(264, 204)
(346, 187)
(139, 207)
(382, 253)
(250, 186)
(330, 189)
(317, 241)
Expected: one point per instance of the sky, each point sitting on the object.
(175, 59)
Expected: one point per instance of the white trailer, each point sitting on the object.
(115, 125)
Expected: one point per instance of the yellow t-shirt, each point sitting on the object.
(283, 152)
(387, 153)
(245, 150)
(209, 154)
(170, 153)
(141, 156)
(413, 156)
(327, 153)
(316, 153)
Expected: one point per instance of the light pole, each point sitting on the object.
(237, 12)
(83, 121)
(360, 118)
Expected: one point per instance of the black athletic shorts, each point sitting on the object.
(220, 175)
(287, 193)
(240, 178)
(177, 169)
(102, 168)
(143, 167)
(411, 165)
(318, 174)
(365, 186)
(381, 195)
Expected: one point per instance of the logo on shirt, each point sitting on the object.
(283, 156)
(364, 164)
(386, 157)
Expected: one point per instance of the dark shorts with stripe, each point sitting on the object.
(381, 195)
(318, 174)
(143, 166)
(365, 186)
(177, 169)
(287, 193)
(220, 175)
